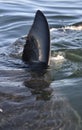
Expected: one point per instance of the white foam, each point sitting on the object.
(58, 58)
(57, 61)
(1, 110)
(77, 28)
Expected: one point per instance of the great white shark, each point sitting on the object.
(37, 48)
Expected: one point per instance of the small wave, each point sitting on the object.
(74, 55)
(77, 28)
(72, 27)
(57, 61)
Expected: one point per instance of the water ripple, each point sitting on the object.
(41, 101)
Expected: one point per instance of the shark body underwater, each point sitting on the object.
(37, 48)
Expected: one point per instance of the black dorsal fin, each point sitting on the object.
(40, 33)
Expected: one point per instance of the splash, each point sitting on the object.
(57, 61)
(58, 58)
(76, 28)
(1, 110)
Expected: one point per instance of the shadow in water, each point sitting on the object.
(39, 85)
(37, 105)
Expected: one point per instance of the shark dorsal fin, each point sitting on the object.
(40, 33)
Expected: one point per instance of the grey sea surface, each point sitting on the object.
(49, 100)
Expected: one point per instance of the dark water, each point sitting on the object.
(49, 101)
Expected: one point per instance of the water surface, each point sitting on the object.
(49, 100)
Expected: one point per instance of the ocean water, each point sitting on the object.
(44, 101)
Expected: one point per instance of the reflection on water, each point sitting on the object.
(43, 99)
(36, 104)
(39, 85)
